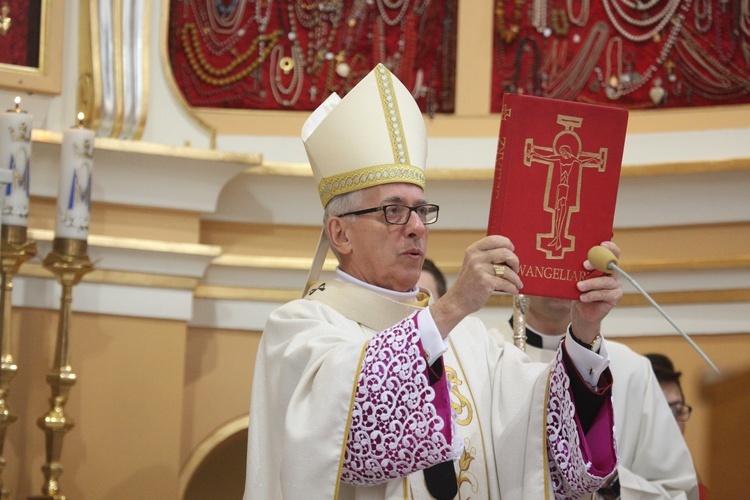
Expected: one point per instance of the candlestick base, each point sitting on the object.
(15, 249)
(69, 262)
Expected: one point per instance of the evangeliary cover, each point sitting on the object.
(557, 172)
(374, 135)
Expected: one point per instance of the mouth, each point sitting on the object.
(414, 252)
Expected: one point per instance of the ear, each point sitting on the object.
(338, 234)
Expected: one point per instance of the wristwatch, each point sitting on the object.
(593, 346)
(596, 343)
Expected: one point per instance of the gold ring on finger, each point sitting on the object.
(499, 270)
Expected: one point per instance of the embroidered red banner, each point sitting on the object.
(626, 53)
(19, 32)
(292, 54)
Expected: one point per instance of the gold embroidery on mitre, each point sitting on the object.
(368, 177)
(392, 115)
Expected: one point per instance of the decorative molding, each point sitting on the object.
(646, 152)
(291, 169)
(137, 278)
(693, 319)
(109, 299)
(144, 174)
(475, 122)
(140, 256)
(280, 194)
(696, 318)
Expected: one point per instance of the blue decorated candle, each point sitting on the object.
(74, 193)
(15, 156)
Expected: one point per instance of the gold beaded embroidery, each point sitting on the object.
(208, 73)
(368, 177)
(392, 115)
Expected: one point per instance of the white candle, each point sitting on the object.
(74, 193)
(15, 156)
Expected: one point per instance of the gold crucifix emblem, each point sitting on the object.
(565, 161)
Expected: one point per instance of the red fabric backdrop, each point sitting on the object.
(628, 53)
(20, 43)
(291, 54)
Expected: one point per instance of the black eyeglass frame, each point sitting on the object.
(681, 411)
(384, 209)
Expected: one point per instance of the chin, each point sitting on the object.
(407, 284)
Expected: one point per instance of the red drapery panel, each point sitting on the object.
(628, 53)
(19, 32)
(292, 54)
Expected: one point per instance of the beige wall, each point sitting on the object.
(126, 405)
(728, 352)
(218, 375)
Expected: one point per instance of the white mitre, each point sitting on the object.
(374, 135)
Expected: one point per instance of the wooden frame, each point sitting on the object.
(46, 78)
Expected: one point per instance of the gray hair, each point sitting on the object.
(341, 204)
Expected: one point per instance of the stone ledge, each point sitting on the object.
(143, 174)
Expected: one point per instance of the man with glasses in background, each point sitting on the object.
(669, 380)
(367, 387)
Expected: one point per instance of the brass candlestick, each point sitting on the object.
(520, 307)
(15, 249)
(68, 261)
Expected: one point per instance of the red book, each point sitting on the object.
(555, 188)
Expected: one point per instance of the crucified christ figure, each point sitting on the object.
(565, 161)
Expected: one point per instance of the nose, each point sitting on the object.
(414, 224)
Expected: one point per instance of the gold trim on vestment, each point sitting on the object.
(468, 421)
(349, 416)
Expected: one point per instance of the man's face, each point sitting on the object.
(673, 394)
(427, 280)
(550, 307)
(386, 255)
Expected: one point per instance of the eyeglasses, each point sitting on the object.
(400, 214)
(681, 411)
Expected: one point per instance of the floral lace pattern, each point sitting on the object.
(569, 470)
(395, 428)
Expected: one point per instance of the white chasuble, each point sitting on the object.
(316, 419)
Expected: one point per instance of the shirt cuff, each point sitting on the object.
(432, 342)
(589, 364)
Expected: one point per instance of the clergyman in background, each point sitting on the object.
(654, 459)
(432, 279)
